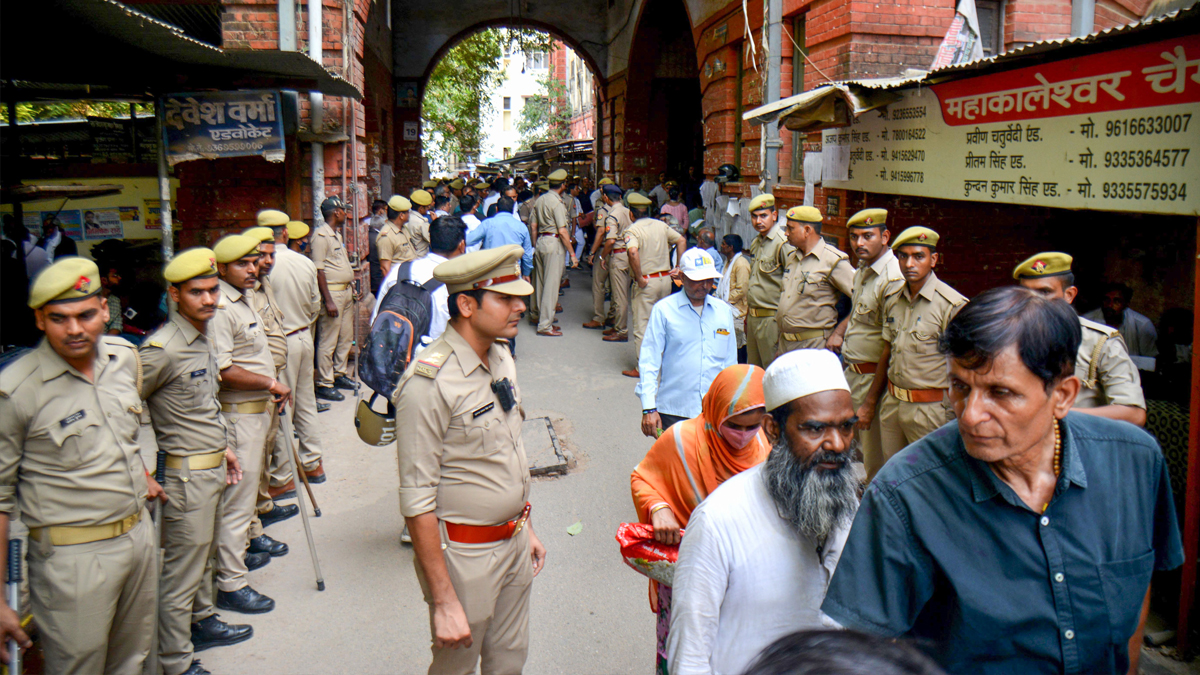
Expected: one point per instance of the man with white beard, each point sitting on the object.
(758, 553)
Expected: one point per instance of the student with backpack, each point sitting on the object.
(447, 239)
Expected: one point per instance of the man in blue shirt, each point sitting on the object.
(503, 229)
(689, 339)
(1021, 537)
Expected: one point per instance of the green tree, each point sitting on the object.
(458, 96)
(28, 113)
(546, 115)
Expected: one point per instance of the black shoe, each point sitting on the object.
(343, 382)
(280, 512)
(322, 407)
(213, 632)
(329, 394)
(245, 600)
(264, 544)
(196, 669)
(256, 560)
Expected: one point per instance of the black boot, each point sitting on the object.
(277, 514)
(245, 600)
(256, 560)
(264, 544)
(343, 382)
(330, 394)
(196, 669)
(213, 632)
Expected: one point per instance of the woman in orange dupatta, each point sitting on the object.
(726, 439)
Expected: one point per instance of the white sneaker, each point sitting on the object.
(405, 537)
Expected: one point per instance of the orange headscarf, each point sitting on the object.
(663, 477)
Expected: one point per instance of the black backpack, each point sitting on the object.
(404, 317)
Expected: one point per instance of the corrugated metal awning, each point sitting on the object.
(827, 106)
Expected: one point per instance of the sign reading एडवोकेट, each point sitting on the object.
(214, 124)
(1113, 131)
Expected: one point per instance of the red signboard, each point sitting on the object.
(1158, 74)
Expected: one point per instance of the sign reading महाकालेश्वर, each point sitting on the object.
(209, 125)
(1113, 131)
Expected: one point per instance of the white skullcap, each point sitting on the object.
(801, 373)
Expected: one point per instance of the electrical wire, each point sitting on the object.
(802, 52)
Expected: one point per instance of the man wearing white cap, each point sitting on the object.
(689, 339)
(760, 550)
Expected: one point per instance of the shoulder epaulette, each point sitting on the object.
(432, 359)
(17, 372)
(160, 337)
(1098, 327)
(950, 294)
(137, 363)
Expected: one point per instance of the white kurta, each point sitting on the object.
(744, 579)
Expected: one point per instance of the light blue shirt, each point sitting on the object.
(503, 229)
(682, 353)
(718, 260)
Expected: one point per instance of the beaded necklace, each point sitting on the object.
(1057, 457)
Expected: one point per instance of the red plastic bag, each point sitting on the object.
(646, 556)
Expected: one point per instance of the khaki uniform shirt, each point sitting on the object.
(329, 254)
(417, 231)
(1117, 381)
(616, 223)
(461, 454)
(770, 252)
(68, 445)
(179, 383)
(263, 299)
(654, 242)
(240, 339)
(912, 326)
(393, 244)
(525, 211)
(739, 284)
(294, 281)
(811, 284)
(550, 213)
(863, 342)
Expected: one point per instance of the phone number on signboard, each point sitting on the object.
(1153, 191)
(1143, 126)
(223, 147)
(1120, 159)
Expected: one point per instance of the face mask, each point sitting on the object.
(739, 438)
(303, 246)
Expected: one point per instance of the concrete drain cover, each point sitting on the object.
(542, 447)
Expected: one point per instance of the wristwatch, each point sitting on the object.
(649, 410)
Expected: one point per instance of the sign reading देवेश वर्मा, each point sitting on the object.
(1111, 132)
(208, 125)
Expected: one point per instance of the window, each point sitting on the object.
(507, 120)
(536, 61)
(800, 50)
(507, 103)
(991, 25)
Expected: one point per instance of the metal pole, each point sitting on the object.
(14, 601)
(286, 422)
(774, 46)
(160, 475)
(1083, 17)
(317, 110)
(164, 192)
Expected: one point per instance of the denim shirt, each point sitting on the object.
(944, 552)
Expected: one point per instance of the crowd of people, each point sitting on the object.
(1007, 518)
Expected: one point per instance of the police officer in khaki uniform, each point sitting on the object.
(616, 226)
(551, 247)
(335, 278)
(859, 336)
(464, 477)
(914, 320)
(393, 244)
(294, 279)
(770, 252)
(815, 275)
(267, 306)
(248, 386)
(649, 242)
(69, 464)
(417, 225)
(602, 246)
(179, 385)
(1112, 386)
(456, 191)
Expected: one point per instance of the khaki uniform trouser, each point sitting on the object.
(901, 423)
(643, 301)
(249, 433)
(298, 375)
(548, 261)
(620, 279)
(868, 440)
(263, 502)
(784, 345)
(336, 334)
(599, 287)
(762, 334)
(94, 603)
(189, 528)
(493, 583)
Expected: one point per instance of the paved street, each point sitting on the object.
(590, 611)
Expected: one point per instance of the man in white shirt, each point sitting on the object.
(659, 193)
(759, 552)
(1137, 330)
(468, 207)
(447, 239)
